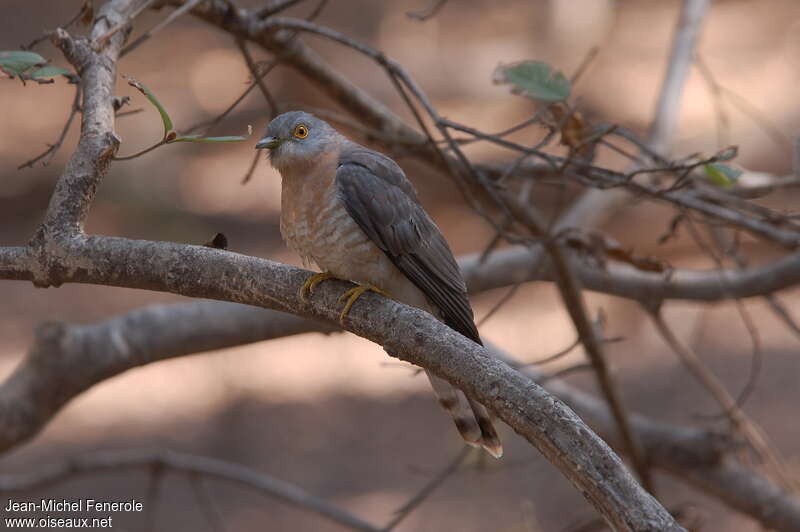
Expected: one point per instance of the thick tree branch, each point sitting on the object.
(60, 252)
(573, 299)
(509, 266)
(95, 352)
(75, 189)
(412, 334)
(65, 254)
(65, 361)
(684, 43)
(512, 265)
(591, 208)
(273, 34)
(15, 263)
(692, 455)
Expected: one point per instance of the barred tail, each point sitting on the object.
(472, 420)
(490, 441)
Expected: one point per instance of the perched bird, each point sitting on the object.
(352, 212)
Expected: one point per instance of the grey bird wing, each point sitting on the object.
(382, 201)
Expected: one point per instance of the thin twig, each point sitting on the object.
(755, 356)
(783, 314)
(317, 10)
(50, 152)
(757, 116)
(424, 15)
(158, 144)
(575, 304)
(99, 42)
(258, 73)
(152, 496)
(552, 358)
(85, 5)
(723, 120)
(162, 460)
(731, 252)
(258, 77)
(587, 60)
(499, 305)
(588, 175)
(740, 421)
(274, 7)
(207, 125)
(160, 26)
(563, 372)
(206, 503)
(568, 287)
(426, 491)
(130, 112)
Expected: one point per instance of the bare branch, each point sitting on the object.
(424, 15)
(15, 263)
(99, 41)
(767, 224)
(75, 190)
(354, 99)
(159, 332)
(48, 154)
(575, 304)
(405, 510)
(258, 77)
(274, 7)
(152, 495)
(208, 467)
(684, 43)
(739, 420)
(60, 252)
(373, 113)
(206, 504)
(689, 454)
(511, 265)
(182, 10)
(413, 334)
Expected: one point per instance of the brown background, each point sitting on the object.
(334, 414)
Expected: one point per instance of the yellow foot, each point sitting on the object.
(308, 287)
(353, 294)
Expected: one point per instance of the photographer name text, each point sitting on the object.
(78, 505)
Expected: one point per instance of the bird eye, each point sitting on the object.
(300, 131)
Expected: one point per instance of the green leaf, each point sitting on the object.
(152, 97)
(535, 80)
(16, 62)
(198, 138)
(49, 72)
(721, 175)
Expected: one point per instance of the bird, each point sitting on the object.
(353, 213)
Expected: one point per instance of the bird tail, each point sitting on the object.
(472, 420)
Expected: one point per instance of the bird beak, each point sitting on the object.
(269, 143)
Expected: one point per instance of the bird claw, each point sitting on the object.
(350, 295)
(353, 294)
(308, 287)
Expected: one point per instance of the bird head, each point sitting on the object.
(295, 139)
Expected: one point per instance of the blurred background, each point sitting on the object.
(333, 414)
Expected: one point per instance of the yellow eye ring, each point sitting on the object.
(301, 131)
